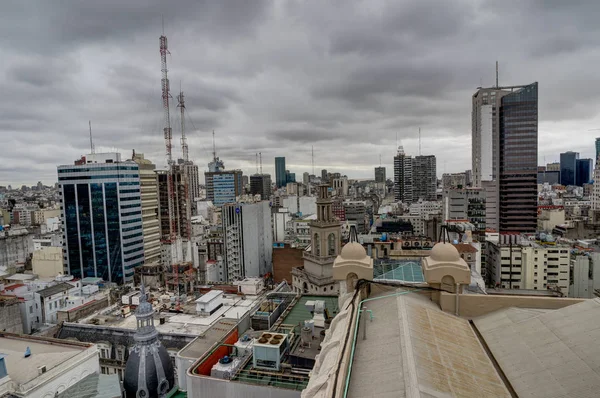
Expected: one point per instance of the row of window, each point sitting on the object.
(99, 177)
(101, 168)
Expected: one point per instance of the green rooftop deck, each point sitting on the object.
(299, 313)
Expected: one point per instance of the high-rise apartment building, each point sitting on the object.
(424, 178)
(280, 172)
(403, 177)
(518, 160)
(181, 202)
(305, 178)
(597, 149)
(568, 168)
(260, 184)
(150, 220)
(380, 175)
(193, 181)
(324, 176)
(102, 217)
(248, 240)
(465, 204)
(584, 171)
(222, 186)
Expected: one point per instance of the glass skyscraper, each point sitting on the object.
(518, 160)
(568, 168)
(102, 218)
(280, 175)
(585, 171)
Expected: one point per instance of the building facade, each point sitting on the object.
(248, 240)
(150, 221)
(102, 218)
(223, 186)
(568, 167)
(280, 177)
(380, 175)
(424, 178)
(518, 160)
(403, 177)
(260, 184)
(584, 171)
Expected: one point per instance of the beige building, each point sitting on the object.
(550, 217)
(150, 223)
(528, 265)
(47, 262)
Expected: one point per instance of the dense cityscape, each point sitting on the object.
(141, 275)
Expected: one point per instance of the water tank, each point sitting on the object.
(384, 237)
(306, 336)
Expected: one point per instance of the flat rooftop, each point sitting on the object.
(212, 335)
(299, 313)
(189, 323)
(50, 353)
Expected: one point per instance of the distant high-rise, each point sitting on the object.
(424, 178)
(380, 175)
(193, 182)
(518, 160)
(597, 149)
(150, 219)
(222, 186)
(403, 177)
(305, 178)
(584, 172)
(280, 175)
(289, 177)
(248, 240)
(260, 184)
(102, 217)
(568, 167)
(324, 176)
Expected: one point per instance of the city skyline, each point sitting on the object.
(315, 82)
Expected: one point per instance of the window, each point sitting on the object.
(31, 309)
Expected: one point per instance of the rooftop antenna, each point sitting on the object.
(497, 85)
(260, 157)
(396, 139)
(214, 148)
(91, 141)
(419, 141)
(256, 162)
(181, 106)
(379, 160)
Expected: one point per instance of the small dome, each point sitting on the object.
(444, 252)
(353, 251)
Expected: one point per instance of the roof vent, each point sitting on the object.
(41, 369)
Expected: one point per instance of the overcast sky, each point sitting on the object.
(280, 76)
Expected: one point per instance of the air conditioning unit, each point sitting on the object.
(41, 369)
(406, 243)
(416, 244)
(427, 245)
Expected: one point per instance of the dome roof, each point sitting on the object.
(149, 372)
(444, 252)
(353, 251)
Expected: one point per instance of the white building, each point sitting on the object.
(53, 367)
(583, 286)
(281, 219)
(248, 240)
(523, 264)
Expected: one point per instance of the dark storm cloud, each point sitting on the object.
(344, 76)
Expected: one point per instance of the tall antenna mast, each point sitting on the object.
(256, 162)
(497, 85)
(396, 139)
(164, 50)
(312, 150)
(91, 142)
(419, 141)
(184, 145)
(214, 148)
(379, 160)
(260, 157)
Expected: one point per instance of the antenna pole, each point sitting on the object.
(256, 162)
(91, 142)
(396, 139)
(379, 160)
(419, 141)
(214, 148)
(260, 157)
(184, 145)
(497, 85)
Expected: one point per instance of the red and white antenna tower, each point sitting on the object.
(185, 167)
(164, 50)
(184, 145)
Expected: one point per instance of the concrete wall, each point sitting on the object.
(47, 262)
(474, 305)
(10, 315)
(82, 311)
(201, 386)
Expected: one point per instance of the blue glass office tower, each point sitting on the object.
(102, 218)
(584, 173)
(280, 175)
(568, 168)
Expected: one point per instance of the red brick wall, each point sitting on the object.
(284, 259)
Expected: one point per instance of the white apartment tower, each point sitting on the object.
(248, 240)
